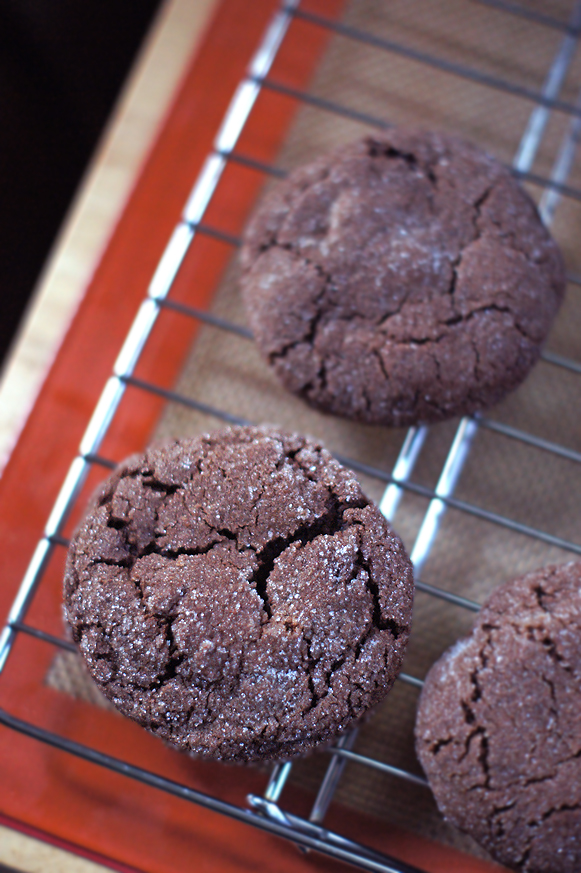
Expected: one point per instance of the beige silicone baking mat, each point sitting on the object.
(538, 488)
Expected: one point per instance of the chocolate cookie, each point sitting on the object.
(404, 278)
(238, 595)
(499, 724)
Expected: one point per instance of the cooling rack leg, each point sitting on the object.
(446, 485)
(561, 169)
(403, 468)
(331, 779)
(277, 781)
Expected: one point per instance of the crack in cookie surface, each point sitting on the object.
(367, 272)
(225, 591)
(498, 730)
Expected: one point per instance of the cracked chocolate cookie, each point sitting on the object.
(499, 724)
(238, 595)
(404, 278)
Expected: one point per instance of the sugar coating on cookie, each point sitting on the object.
(498, 729)
(403, 278)
(238, 595)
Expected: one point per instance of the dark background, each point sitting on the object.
(62, 64)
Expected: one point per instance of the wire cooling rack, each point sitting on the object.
(405, 480)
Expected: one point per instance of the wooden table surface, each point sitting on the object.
(109, 178)
(137, 116)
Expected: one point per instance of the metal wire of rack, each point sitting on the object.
(266, 811)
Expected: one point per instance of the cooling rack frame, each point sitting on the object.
(264, 810)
